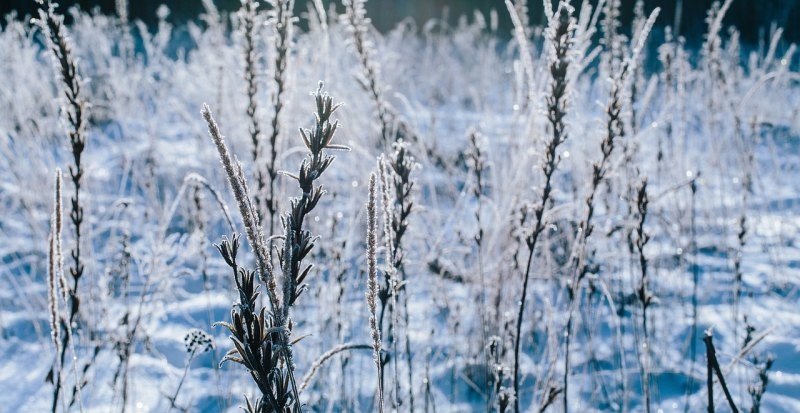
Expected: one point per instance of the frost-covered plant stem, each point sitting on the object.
(174, 398)
(397, 186)
(387, 291)
(741, 235)
(695, 282)
(372, 285)
(283, 23)
(255, 236)
(55, 278)
(358, 24)
(74, 112)
(560, 32)
(611, 37)
(58, 290)
(258, 339)
(327, 356)
(393, 128)
(518, 11)
(477, 164)
(250, 22)
(55, 320)
(297, 240)
(643, 293)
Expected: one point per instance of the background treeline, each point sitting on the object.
(747, 15)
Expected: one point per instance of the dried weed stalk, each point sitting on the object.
(398, 203)
(372, 285)
(560, 35)
(75, 113)
(249, 25)
(643, 292)
(262, 340)
(281, 18)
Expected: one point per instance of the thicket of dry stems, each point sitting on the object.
(515, 356)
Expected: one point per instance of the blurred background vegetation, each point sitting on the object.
(752, 17)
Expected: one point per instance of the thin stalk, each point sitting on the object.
(372, 286)
(561, 32)
(695, 281)
(643, 294)
(283, 22)
(75, 114)
(713, 366)
(250, 23)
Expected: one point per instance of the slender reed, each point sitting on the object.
(560, 34)
(256, 337)
(388, 291)
(75, 113)
(518, 12)
(695, 283)
(477, 164)
(643, 292)
(57, 289)
(372, 285)
(251, 224)
(398, 203)
(741, 234)
(521, 7)
(250, 23)
(55, 279)
(358, 23)
(637, 76)
(282, 20)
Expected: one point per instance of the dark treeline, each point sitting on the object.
(752, 17)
